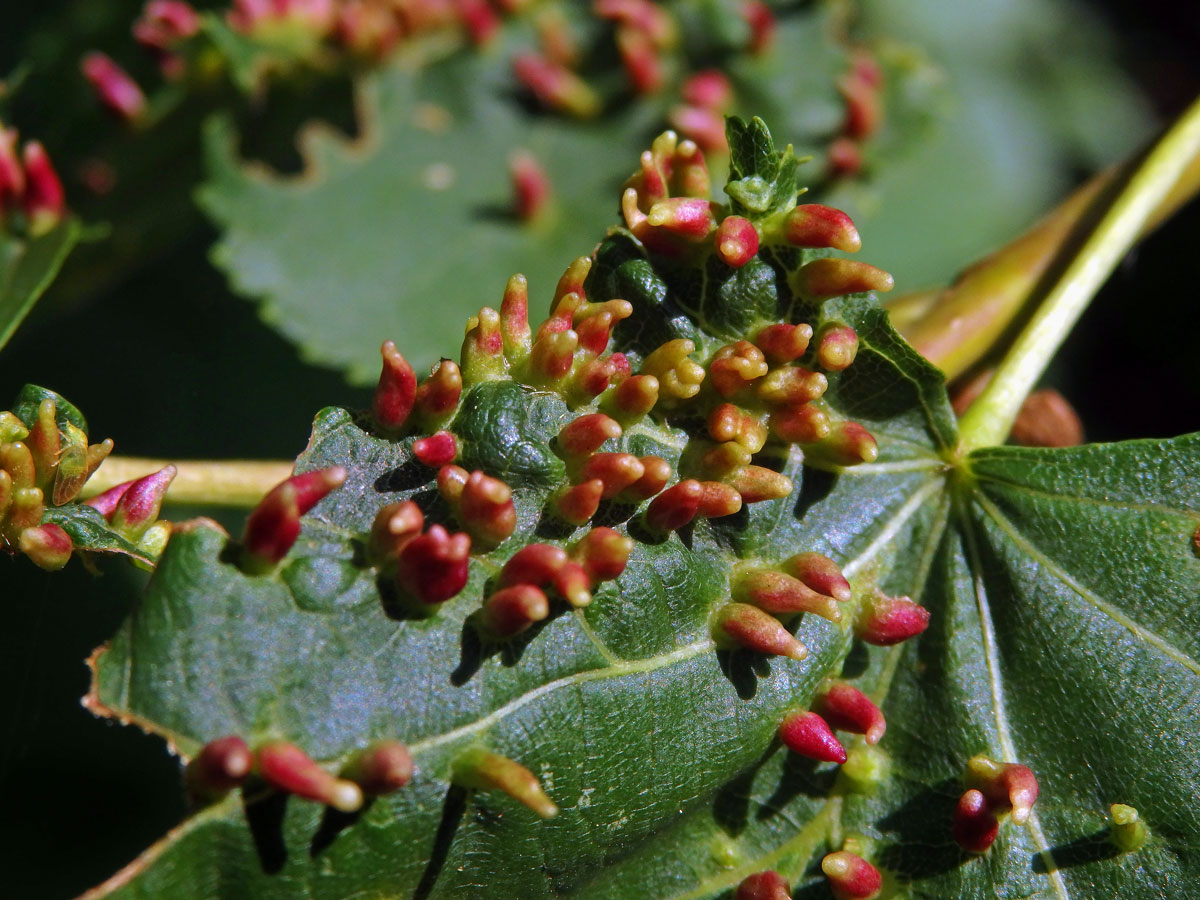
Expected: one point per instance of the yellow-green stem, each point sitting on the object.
(232, 482)
(955, 327)
(990, 417)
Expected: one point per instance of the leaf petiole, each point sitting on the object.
(235, 482)
(988, 420)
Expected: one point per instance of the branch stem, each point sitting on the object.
(236, 483)
(990, 417)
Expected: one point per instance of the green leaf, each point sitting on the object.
(27, 266)
(417, 211)
(90, 531)
(762, 180)
(1063, 637)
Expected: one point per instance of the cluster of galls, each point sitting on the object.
(995, 789)
(31, 194)
(380, 768)
(366, 30)
(747, 393)
(46, 462)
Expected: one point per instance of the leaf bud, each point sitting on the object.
(587, 433)
(820, 573)
(884, 621)
(578, 503)
(741, 626)
(481, 770)
(975, 825)
(47, 545)
(807, 734)
(763, 886)
(792, 386)
(555, 86)
(735, 366)
(851, 877)
(274, 524)
(139, 504)
(43, 201)
(837, 346)
(780, 594)
(396, 391)
(847, 708)
(218, 768)
(437, 397)
(736, 241)
(825, 278)
(433, 567)
(1006, 785)
(603, 553)
(287, 768)
(1126, 828)
(380, 768)
(782, 343)
(118, 92)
